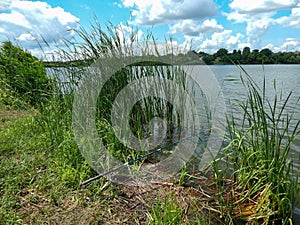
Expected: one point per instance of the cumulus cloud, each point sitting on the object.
(194, 28)
(259, 15)
(289, 44)
(126, 33)
(224, 39)
(259, 6)
(151, 12)
(25, 21)
(256, 28)
(5, 5)
(26, 37)
(293, 20)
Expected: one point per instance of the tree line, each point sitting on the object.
(246, 56)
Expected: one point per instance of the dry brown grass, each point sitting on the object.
(8, 115)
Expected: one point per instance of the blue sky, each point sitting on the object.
(207, 24)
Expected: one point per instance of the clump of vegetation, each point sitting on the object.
(265, 145)
(23, 80)
(166, 212)
(266, 187)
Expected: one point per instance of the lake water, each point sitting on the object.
(287, 80)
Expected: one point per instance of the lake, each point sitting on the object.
(287, 79)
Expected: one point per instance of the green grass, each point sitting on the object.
(258, 154)
(166, 211)
(40, 181)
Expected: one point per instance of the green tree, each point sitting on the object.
(236, 56)
(246, 52)
(22, 76)
(268, 55)
(221, 52)
(208, 59)
(221, 56)
(252, 57)
(267, 52)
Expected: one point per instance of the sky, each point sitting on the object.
(202, 25)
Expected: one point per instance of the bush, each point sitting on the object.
(23, 77)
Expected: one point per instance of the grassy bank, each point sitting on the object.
(40, 185)
(41, 169)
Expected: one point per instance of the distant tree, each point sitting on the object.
(208, 59)
(267, 52)
(262, 59)
(298, 57)
(246, 52)
(221, 56)
(22, 76)
(268, 55)
(200, 53)
(236, 56)
(264, 56)
(221, 52)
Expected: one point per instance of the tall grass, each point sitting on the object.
(258, 153)
(104, 43)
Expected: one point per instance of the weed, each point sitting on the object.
(166, 211)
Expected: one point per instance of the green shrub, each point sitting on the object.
(23, 77)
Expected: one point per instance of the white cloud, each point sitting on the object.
(14, 18)
(289, 44)
(25, 21)
(125, 33)
(118, 4)
(236, 17)
(224, 39)
(293, 20)
(194, 28)
(151, 12)
(26, 37)
(5, 5)
(259, 6)
(258, 27)
(259, 16)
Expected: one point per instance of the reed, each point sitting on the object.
(258, 154)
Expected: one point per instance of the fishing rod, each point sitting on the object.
(130, 162)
